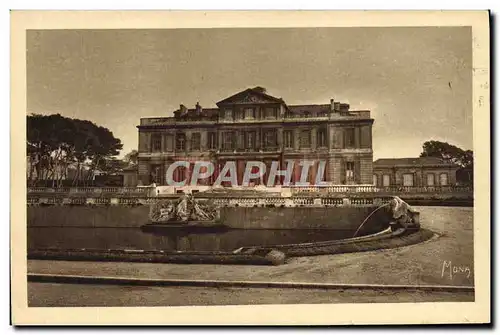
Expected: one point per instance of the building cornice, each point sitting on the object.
(281, 122)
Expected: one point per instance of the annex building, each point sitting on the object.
(253, 125)
(414, 172)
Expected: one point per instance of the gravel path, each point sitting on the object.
(69, 295)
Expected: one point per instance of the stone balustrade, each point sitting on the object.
(375, 189)
(274, 201)
(310, 196)
(132, 191)
(294, 190)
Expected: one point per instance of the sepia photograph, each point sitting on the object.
(281, 165)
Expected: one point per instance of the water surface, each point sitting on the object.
(171, 240)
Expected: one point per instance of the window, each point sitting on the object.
(443, 179)
(156, 174)
(170, 142)
(249, 113)
(270, 112)
(250, 139)
(212, 140)
(305, 139)
(195, 141)
(228, 114)
(270, 138)
(321, 137)
(407, 179)
(349, 141)
(180, 142)
(430, 179)
(349, 172)
(375, 180)
(180, 174)
(156, 142)
(386, 180)
(228, 141)
(288, 134)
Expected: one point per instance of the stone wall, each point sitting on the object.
(341, 218)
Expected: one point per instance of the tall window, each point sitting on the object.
(228, 141)
(228, 114)
(443, 179)
(375, 180)
(180, 142)
(250, 139)
(430, 179)
(249, 113)
(170, 142)
(408, 179)
(321, 137)
(212, 140)
(349, 139)
(156, 142)
(349, 172)
(288, 134)
(195, 141)
(156, 174)
(270, 112)
(386, 180)
(305, 139)
(270, 138)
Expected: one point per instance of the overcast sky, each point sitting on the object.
(416, 81)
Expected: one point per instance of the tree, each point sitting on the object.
(452, 154)
(131, 157)
(55, 143)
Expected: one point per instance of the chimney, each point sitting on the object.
(198, 108)
(344, 108)
(182, 109)
(336, 106)
(332, 105)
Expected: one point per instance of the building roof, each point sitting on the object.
(205, 113)
(254, 96)
(311, 109)
(251, 95)
(412, 161)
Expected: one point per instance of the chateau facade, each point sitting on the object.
(255, 126)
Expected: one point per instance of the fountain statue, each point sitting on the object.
(403, 215)
(184, 210)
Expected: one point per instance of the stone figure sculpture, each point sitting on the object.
(184, 209)
(402, 215)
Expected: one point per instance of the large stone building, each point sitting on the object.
(253, 125)
(414, 172)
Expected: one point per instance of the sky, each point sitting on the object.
(417, 82)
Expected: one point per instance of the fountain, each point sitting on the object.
(197, 230)
(184, 212)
